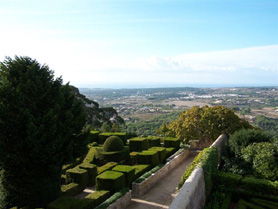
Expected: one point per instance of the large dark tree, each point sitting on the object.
(38, 118)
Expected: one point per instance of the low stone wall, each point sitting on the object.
(138, 189)
(122, 202)
(192, 193)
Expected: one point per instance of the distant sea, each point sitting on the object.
(148, 85)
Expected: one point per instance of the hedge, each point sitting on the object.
(248, 205)
(208, 159)
(113, 198)
(92, 172)
(111, 181)
(71, 189)
(261, 186)
(64, 203)
(138, 144)
(116, 156)
(266, 203)
(172, 142)
(106, 167)
(77, 175)
(161, 153)
(133, 158)
(228, 180)
(149, 173)
(154, 141)
(90, 155)
(71, 165)
(104, 136)
(170, 151)
(94, 136)
(95, 198)
(128, 171)
(148, 157)
(140, 170)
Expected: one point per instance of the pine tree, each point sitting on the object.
(38, 119)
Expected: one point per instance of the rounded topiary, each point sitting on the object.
(112, 144)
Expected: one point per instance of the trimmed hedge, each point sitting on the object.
(71, 189)
(170, 151)
(140, 170)
(262, 186)
(228, 180)
(104, 136)
(106, 167)
(265, 203)
(172, 142)
(96, 198)
(138, 144)
(248, 204)
(77, 175)
(133, 158)
(116, 156)
(128, 171)
(148, 157)
(94, 136)
(71, 165)
(113, 198)
(92, 172)
(161, 153)
(154, 141)
(149, 173)
(208, 159)
(64, 203)
(112, 144)
(90, 155)
(111, 181)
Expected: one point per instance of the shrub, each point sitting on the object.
(94, 136)
(94, 144)
(172, 142)
(104, 136)
(106, 167)
(110, 180)
(262, 186)
(90, 156)
(133, 158)
(140, 169)
(228, 180)
(138, 144)
(112, 144)
(161, 153)
(64, 203)
(244, 137)
(71, 189)
(170, 151)
(208, 159)
(248, 204)
(227, 201)
(92, 172)
(96, 198)
(128, 171)
(154, 141)
(117, 156)
(149, 173)
(113, 198)
(77, 175)
(264, 159)
(265, 203)
(76, 162)
(148, 157)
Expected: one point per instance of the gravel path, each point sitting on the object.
(164, 191)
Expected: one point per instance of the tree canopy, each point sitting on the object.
(206, 123)
(39, 117)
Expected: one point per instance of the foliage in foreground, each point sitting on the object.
(38, 118)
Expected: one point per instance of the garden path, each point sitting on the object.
(164, 191)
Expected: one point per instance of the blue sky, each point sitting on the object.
(146, 43)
